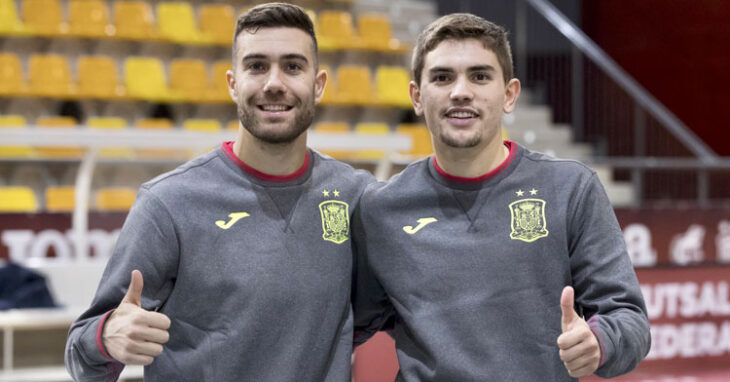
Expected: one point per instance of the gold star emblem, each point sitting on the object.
(336, 193)
(533, 192)
(326, 193)
(520, 193)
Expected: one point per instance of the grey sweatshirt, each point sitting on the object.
(260, 296)
(468, 274)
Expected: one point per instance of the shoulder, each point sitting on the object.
(198, 172)
(328, 167)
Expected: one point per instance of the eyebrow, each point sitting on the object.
(477, 68)
(290, 56)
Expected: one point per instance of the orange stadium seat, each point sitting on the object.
(176, 21)
(134, 20)
(50, 76)
(110, 123)
(10, 23)
(202, 125)
(89, 18)
(334, 128)
(115, 199)
(17, 199)
(60, 198)
(44, 17)
(189, 79)
(232, 125)
(393, 83)
(14, 122)
(145, 79)
(98, 78)
(336, 31)
(421, 138)
(58, 152)
(11, 75)
(354, 85)
(217, 23)
(371, 129)
(152, 153)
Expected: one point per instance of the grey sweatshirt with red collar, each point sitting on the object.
(468, 273)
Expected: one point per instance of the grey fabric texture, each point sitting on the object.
(267, 299)
(474, 293)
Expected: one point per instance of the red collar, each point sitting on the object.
(227, 148)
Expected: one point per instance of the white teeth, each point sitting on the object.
(274, 107)
(462, 114)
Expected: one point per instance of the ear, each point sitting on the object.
(320, 80)
(231, 80)
(415, 94)
(511, 93)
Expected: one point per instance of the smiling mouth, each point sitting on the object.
(274, 108)
(461, 114)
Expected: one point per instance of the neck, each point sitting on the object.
(471, 162)
(270, 158)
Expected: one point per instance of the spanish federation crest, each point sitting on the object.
(335, 221)
(528, 220)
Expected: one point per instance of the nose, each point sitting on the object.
(274, 82)
(461, 91)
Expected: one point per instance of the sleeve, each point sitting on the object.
(372, 308)
(147, 242)
(606, 287)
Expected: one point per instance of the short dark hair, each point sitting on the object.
(272, 15)
(461, 26)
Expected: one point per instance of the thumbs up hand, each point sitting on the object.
(132, 335)
(579, 348)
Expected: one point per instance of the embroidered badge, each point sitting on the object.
(335, 221)
(528, 220)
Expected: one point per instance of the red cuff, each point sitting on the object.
(99, 329)
(593, 324)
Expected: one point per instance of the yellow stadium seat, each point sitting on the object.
(336, 31)
(111, 123)
(115, 199)
(44, 17)
(354, 85)
(133, 20)
(334, 128)
(376, 32)
(14, 122)
(505, 135)
(232, 125)
(98, 78)
(218, 85)
(17, 199)
(176, 22)
(89, 18)
(145, 79)
(392, 83)
(203, 125)
(10, 23)
(371, 129)
(217, 23)
(189, 79)
(50, 76)
(58, 152)
(60, 198)
(421, 139)
(11, 75)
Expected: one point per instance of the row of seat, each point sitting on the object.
(176, 21)
(418, 133)
(20, 199)
(49, 75)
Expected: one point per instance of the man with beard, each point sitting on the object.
(489, 261)
(237, 265)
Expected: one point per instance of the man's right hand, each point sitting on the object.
(132, 335)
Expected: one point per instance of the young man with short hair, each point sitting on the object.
(240, 259)
(477, 256)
